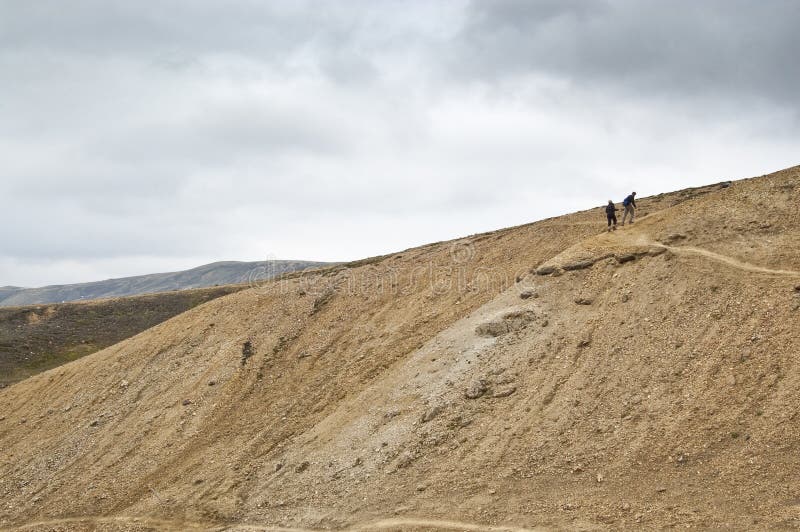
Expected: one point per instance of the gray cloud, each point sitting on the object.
(711, 48)
(137, 138)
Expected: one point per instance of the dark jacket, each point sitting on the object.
(610, 210)
(630, 200)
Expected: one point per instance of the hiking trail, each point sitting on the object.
(166, 524)
(724, 259)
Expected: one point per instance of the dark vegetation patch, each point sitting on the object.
(36, 338)
(247, 351)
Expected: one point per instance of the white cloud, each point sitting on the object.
(137, 139)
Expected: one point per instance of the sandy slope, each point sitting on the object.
(650, 381)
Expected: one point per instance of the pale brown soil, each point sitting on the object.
(650, 382)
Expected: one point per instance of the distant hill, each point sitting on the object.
(216, 273)
(8, 291)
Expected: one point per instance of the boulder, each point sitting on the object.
(545, 270)
(476, 389)
(492, 329)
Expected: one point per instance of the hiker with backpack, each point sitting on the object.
(611, 214)
(630, 206)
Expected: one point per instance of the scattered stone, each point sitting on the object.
(504, 393)
(278, 466)
(585, 341)
(661, 489)
(725, 184)
(212, 382)
(625, 507)
(405, 459)
(303, 354)
(431, 413)
(94, 423)
(545, 323)
(301, 467)
(519, 319)
(625, 257)
(358, 461)
(655, 251)
(186, 402)
(492, 329)
(583, 301)
(797, 288)
(458, 422)
(600, 477)
(124, 384)
(674, 237)
(2, 418)
(626, 298)
(528, 294)
(421, 487)
(492, 492)
(476, 389)
(198, 481)
(558, 273)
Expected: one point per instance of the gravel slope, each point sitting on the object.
(638, 383)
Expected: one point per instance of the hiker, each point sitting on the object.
(630, 206)
(611, 214)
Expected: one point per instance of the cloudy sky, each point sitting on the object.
(138, 137)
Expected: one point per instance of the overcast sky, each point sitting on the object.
(138, 137)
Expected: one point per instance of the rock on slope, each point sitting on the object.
(651, 380)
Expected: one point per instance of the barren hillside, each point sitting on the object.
(549, 375)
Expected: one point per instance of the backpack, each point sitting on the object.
(626, 201)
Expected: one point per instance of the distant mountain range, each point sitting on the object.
(216, 273)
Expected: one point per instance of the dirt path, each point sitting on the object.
(164, 524)
(640, 239)
(160, 524)
(437, 525)
(730, 261)
(601, 225)
(395, 523)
